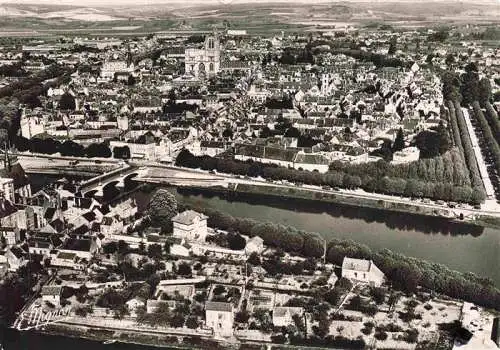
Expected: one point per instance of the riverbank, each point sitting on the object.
(326, 197)
(140, 337)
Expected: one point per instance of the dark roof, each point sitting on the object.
(17, 252)
(49, 213)
(56, 240)
(17, 173)
(82, 245)
(57, 224)
(464, 335)
(218, 306)
(66, 255)
(81, 202)
(51, 290)
(89, 216)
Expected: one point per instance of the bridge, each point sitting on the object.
(151, 173)
(117, 177)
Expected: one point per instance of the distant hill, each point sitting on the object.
(252, 13)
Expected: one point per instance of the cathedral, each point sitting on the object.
(204, 62)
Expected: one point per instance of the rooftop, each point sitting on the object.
(356, 264)
(218, 306)
(188, 217)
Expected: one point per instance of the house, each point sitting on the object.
(65, 259)
(52, 295)
(254, 245)
(111, 225)
(7, 188)
(283, 315)
(15, 258)
(190, 225)
(219, 316)
(361, 270)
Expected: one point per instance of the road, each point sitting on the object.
(483, 170)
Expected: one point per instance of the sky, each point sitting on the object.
(188, 2)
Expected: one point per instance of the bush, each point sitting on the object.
(381, 336)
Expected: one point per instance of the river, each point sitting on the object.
(30, 340)
(462, 247)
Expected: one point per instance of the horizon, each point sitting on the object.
(184, 3)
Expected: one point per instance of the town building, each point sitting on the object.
(219, 316)
(361, 270)
(204, 62)
(190, 225)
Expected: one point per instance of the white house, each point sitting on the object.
(110, 225)
(219, 316)
(283, 315)
(7, 188)
(362, 271)
(190, 225)
(15, 258)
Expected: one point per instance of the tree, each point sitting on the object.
(450, 59)
(71, 148)
(98, 150)
(378, 294)
(122, 247)
(242, 316)
(177, 320)
(227, 133)
(292, 132)
(67, 102)
(155, 251)
(121, 152)
(333, 296)
(392, 47)
(131, 80)
(399, 142)
(236, 241)
(184, 269)
(428, 142)
(470, 84)
(192, 322)
(254, 259)
(162, 208)
(484, 94)
(443, 138)
(142, 247)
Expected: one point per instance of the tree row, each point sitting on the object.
(489, 138)
(352, 179)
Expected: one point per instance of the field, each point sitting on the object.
(260, 18)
